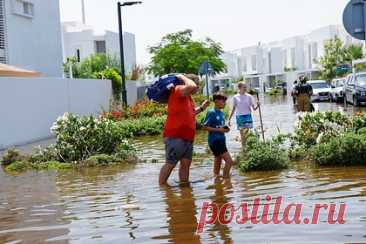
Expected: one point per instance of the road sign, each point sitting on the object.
(343, 69)
(354, 19)
(206, 68)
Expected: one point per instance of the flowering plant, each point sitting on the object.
(313, 128)
(78, 138)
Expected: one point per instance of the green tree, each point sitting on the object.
(336, 53)
(97, 66)
(354, 52)
(178, 53)
(113, 75)
(72, 61)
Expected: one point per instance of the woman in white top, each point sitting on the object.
(244, 106)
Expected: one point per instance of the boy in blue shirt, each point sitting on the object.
(215, 125)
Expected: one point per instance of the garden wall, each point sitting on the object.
(29, 106)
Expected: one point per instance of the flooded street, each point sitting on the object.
(124, 204)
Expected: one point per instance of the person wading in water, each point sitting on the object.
(303, 94)
(243, 104)
(180, 128)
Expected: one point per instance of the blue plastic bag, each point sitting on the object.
(160, 90)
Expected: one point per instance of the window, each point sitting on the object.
(78, 55)
(244, 64)
(314, 49)
(293, 57)
(285, 57)
(350, 80)
(28, 8)
(320, 85)
(24, 8)
(310, 62)
(269, 62)
(100, 47)
(361, 80)
(254, 62)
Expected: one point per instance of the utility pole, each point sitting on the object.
(123, 72)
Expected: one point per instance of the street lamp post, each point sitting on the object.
(123, 72)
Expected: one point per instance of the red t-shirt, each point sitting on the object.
(181, 121)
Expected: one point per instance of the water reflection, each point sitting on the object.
(181, 215)
(222, 189)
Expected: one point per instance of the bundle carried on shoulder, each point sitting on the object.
(159, 91)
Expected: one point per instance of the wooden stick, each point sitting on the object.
(260, 118)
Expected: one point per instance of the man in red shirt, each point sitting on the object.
(180, 128)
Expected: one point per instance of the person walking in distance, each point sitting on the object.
(303, 92)
(243, 105)
(180, 128)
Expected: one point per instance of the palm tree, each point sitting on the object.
(353, 52)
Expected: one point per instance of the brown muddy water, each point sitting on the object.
(124, 204)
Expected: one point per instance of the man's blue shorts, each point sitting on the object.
(177, 149)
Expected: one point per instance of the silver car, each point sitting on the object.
(337, 92)
(321, 90)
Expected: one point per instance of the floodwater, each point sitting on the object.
(124, 204)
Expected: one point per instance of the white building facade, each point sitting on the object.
(30, 35)
(265, 63)
(81, 41)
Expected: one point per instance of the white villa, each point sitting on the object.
(283, 60)
(81, 40)
(30, 35)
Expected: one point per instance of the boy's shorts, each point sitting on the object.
(218, 147)
(177, 149)
(244, 121)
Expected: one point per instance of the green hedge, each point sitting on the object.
(260, 156)
(346, 150)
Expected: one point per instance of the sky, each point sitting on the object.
(233, 23)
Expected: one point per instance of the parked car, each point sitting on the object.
(355, 89)
(321, 90)
(337, 92)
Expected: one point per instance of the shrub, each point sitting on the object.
(11, 156)
(199, 98)
(297, 153)
(146, 108)
(230, 92)
(44, 155)
(137, 72)
(49, 165)
(260, 156)
(313, 128)
(17, 166)
(141, 127)
(113, 75)
(274, 92)
(100, 159)
(78, 138)
(359, 122)
(348, 149)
